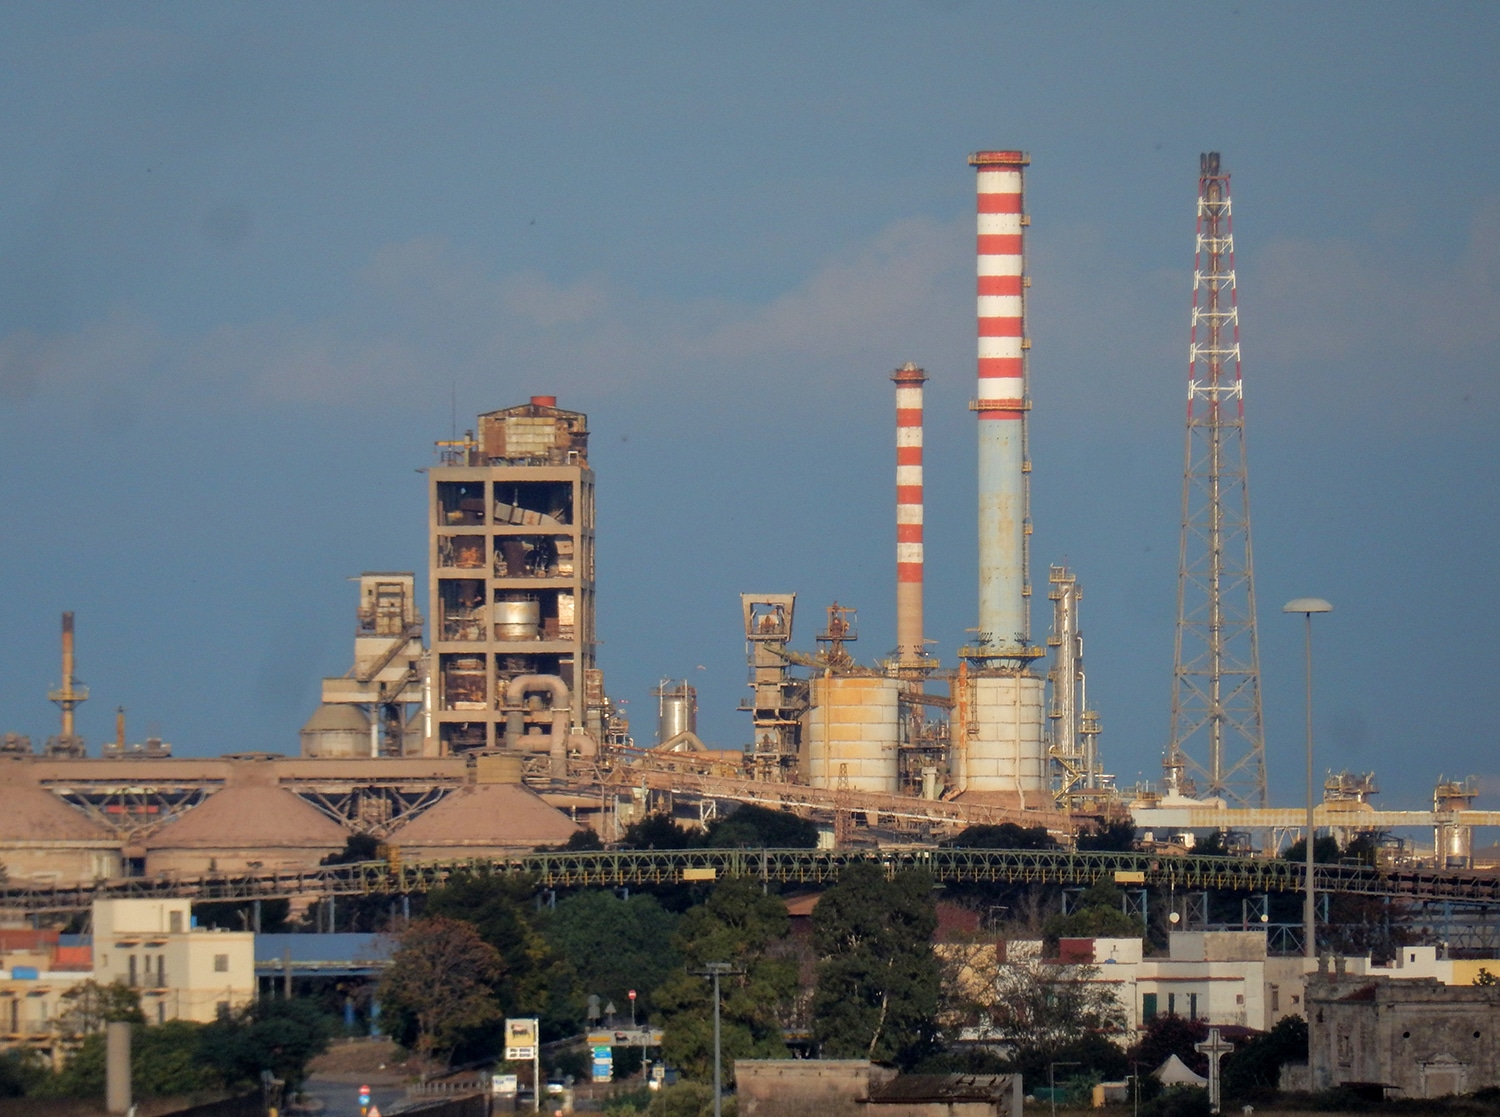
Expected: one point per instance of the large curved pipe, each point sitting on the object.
(562, 716)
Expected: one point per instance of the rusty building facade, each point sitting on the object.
(511, 593)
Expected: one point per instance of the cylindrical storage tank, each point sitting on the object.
(498, 768)
(850, 734)
(518, 619)
(1005, 749)
(678, 712)
(336, 729)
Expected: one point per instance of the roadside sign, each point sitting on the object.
(504, 1085)
(521, 1038)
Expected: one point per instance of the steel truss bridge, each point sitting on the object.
(624, 868)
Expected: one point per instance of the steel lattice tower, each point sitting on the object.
(1217, 745)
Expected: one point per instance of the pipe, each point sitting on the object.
(562, 719)
(1001, 403)
(910, 648)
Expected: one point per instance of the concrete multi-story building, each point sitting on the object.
(179, 971)
(511, 554)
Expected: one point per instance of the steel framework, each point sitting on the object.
(616, 868)
(1217, 732)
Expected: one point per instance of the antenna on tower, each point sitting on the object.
(1217, 744)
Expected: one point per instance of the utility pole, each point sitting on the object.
(1217, 744)
(716, 970)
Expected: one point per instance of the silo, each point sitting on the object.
(677, 712)
(850, 733)
(1005, 750)
(336, 729)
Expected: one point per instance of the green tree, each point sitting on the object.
(533, 980)
(441, 981)
(1113, 837)
(755, 827)
(878, 979)
(659, 831)
(614, 945)
(22, 1072)
(1326, 851)
(740, 925)
(1256, 1065)
(358, 847)
(88, 1006)
(166, 1060)
(1097, 915)
(1007, 835)
(280, 1036)
(1168, 1034)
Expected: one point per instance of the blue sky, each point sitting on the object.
(251, 255)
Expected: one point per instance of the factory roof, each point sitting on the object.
(250, 816)
(30, 814)
(496, 814)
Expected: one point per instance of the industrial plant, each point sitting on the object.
(477, 720)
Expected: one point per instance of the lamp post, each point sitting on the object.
(1307, 606)
(716, 970)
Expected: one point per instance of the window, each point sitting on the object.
(133, 981)
(221, 963)
(161, 1012)
(1148, 1006)
(1275, 998)
(1171, 1004)
(1192, 1006)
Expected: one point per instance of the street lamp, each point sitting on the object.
(1307, 606)
(716, 970)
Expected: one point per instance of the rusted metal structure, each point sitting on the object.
(1216, 746)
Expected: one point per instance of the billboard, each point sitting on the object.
(521, 1038)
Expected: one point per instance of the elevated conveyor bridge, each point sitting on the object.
(617, 868)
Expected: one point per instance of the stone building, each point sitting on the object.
(1418, 1035)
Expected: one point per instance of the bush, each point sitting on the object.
(1178, 1101)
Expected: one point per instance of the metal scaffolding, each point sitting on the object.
(1217, 741)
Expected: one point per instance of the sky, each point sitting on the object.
(256, 258)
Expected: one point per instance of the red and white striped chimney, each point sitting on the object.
(1001, 403)
(909, 644)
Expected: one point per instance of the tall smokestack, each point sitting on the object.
(1004, 619)
(69, 695)
(909, 560)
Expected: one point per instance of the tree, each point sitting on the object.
(88, 1006)
(22, 1072)
(281, 1036)
(534, 980)
(1040, 1008)
(614, 945)
(358, 847)
(743, 926)
(878, 980)
(1325, 851)
(578, 841)
(1256, 1065)
(1113, 837)
(1168, 1034)
(1007, 835)
(1097, 915)
(166, 1060)
(659, 831)
(762, 828)
(442, 979)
